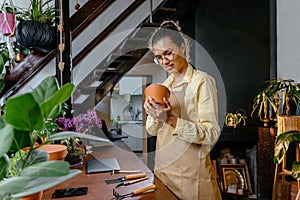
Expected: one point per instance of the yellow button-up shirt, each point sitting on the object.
(182, 160)
(200, 125)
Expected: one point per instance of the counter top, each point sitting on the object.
(98, 189)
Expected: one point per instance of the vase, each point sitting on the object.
(36, 36)
(8, 24)
(157, 92)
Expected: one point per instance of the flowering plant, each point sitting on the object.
(81, 123)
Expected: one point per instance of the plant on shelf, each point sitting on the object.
(21, 126)
(36, 29)
(234, 119)
(276, 97)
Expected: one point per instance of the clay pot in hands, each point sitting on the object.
(157, 92)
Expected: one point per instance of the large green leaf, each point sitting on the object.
(53, 168)
(296, 170)
(13, 184)
(71, 134)
(37, 156)
(21, 139)
(4, 56)
(2, 122)
(41, 184)
(24, 113)
(60, 96)
(282, 142)
(3, 166)
(6, 138)
(45, 90)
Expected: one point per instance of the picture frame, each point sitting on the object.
(235, 177)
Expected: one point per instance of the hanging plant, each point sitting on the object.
(36, 30)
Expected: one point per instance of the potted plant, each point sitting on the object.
(282, 144)
(277, 96)
(84, 123)
(36, 29)
(23, 119)
(234, 119)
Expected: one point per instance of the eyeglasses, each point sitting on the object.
(168, 55)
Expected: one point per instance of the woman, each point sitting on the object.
(188, 126)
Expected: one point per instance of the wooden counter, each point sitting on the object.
(99, 190)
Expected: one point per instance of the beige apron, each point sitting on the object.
(179, 164)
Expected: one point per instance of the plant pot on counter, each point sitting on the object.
(36, 36)
(35, 196)
(55, 151)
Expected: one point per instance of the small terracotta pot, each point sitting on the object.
(35, 196)
(157, 92)
(55, 151)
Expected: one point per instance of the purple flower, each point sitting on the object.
(81, 123)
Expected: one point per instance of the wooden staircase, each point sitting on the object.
(104, 77)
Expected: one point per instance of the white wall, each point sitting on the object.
(288, 39)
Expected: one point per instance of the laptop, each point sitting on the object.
(102, 165)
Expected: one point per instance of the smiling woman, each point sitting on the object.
(187, 126)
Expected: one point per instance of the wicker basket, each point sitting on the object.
(286, 123)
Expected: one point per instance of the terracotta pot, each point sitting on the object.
(55, 151)
(157, 92)
(35, 196)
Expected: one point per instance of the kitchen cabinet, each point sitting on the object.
(134, 131)
(130, 85)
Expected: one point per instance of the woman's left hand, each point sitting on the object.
(155, 110)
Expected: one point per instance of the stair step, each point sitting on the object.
(133, 43)
(101, 74)
(151, 24)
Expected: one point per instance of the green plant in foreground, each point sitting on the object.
(24, 117)
(4, 57)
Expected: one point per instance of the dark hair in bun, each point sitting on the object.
(169, 29)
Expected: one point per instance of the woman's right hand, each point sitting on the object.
(155, 110)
